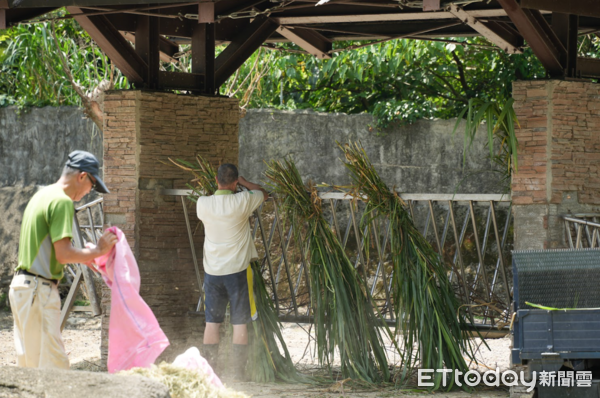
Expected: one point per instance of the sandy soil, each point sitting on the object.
(82, 342)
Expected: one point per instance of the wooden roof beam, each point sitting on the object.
(590, 8)
(588, 67)
(542, 39)
(491, 31)
(167, 47)
(312, 42)
(398, 16)
(113, 44)
(180, 81)
(242, 47)
(3, 12)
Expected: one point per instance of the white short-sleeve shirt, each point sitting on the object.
(228, 244)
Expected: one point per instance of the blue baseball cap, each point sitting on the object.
(85, 161)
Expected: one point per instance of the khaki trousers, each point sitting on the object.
(35, 305)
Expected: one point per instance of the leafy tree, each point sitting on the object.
(53, 63)
(397, 81)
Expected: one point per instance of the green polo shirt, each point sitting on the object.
(48, 218)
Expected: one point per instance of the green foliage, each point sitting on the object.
(31, 69)
(500, 121)
(398, 81)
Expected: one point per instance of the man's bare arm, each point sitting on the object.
(252, 186)
(66, 253)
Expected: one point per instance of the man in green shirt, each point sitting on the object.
(44, 248)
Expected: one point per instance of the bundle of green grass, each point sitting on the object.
(184, 383)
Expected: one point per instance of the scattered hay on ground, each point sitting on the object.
(184, 383)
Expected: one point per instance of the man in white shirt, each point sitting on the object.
(228, 251)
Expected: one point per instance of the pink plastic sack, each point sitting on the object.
(191, 359)
(134, 337)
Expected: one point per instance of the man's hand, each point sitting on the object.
(252, 187)
(67, 254)
(106, 242)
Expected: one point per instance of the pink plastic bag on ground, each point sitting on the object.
(191, 359)
(134, 337)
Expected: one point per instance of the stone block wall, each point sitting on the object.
(142, 131)
(558, 158)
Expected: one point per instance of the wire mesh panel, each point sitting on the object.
(566, 278)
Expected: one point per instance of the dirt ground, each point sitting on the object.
(82, 342)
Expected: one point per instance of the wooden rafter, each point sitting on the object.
(167, 47)
(491, 31)
(542, 39)
(398, 16)
(113, 44)
(590, 8)
(312, 42)
(242, 47)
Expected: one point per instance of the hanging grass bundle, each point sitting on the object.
(205, 177)
(428, 314)
(267, 362)
(184, 383)
(343, 313)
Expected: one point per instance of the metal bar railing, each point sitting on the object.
(82, 273)
(471, 260)
(582, 230)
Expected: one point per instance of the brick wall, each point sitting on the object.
(142, 130)
(559, 151)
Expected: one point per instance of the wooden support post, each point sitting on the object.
(3, 8)
(206, 11)
(566, 28)
(147, 45)
(203, 55)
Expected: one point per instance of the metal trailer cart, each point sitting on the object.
(561, 346)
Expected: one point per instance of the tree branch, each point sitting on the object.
(461, 72)
(93, 112)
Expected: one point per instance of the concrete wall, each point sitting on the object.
(559, 151)
(423, 157)
(33, 149)
(34, 145)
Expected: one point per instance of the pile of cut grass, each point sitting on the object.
(184, 383)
